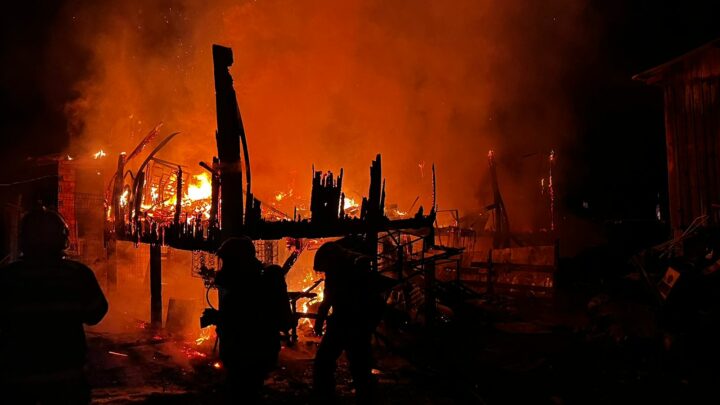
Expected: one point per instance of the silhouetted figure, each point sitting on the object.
(356, 310)
(44, 301)
(254, 307)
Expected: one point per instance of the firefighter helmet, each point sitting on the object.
(43, 232)
(236, 248)
(328, 256)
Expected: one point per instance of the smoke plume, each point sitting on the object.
(333, 83)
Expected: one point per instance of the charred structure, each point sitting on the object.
(240, 213)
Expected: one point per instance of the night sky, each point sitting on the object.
(620, 139)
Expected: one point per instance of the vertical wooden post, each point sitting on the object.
(111, 275)
(155, 285)
(430, 306)
(490, 284)
(229, 133)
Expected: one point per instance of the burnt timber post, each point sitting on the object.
(430, 301)
(119, 220)
(156, 303)
(229, 132)
(501, 237)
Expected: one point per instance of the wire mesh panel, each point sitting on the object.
(267, 251)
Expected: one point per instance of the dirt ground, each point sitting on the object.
(151, 368)
(496, 351)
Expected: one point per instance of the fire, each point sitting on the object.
(154, 195)
(283, 195)
(201, 189)
(124, 198)
(205, 335)
(154, 199)
(99, 154)
(307, 282)
(350, 203)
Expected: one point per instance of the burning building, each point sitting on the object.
(156, 202)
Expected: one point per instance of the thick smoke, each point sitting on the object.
(333, 83)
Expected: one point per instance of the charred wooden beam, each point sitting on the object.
(117, 193)
(325, 198)
(178, 197)
(501, 238)
(215, 198)
(138, 199)
(228, 137)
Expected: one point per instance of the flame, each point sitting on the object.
(201, 188)
(307, 282)
(282, 195)
(160, 202)
(205, 335)
(124, 198)
(99, 154)
(349, 203)
(154, 195)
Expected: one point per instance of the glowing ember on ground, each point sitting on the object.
(117, 354)
(191, 353)
(217, 365)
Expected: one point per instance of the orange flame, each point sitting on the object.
(350, 203)
(201, 189)
(124, 198)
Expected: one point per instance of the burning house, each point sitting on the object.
(156, 202)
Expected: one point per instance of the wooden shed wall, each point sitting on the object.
(692, 128)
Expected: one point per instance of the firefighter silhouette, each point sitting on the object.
(356, 310)
(44, 301)
(253, 309)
